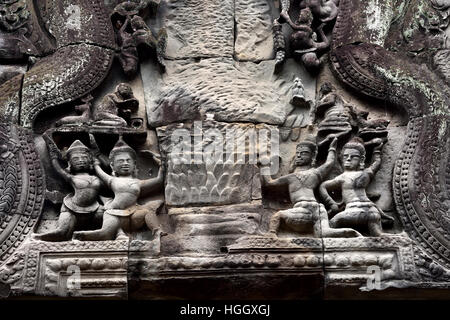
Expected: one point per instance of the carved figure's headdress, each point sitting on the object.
(310, 142)
(356, 143)
(127, 8)
(77, 146)
(124, 87)
(120, 147)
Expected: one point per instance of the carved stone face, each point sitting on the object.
(123, 164)
(352, 159)
(125, 91)
(79, 161)
(303, 156)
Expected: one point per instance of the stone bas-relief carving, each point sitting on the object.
(82, 204)
(359, 210)
(308, 39)
(123, 213)
(307, 211)
(112, 114)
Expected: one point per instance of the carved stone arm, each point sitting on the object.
(331, 159)
(375, 166)
(106, 178)
(324, 192)
(149, 184)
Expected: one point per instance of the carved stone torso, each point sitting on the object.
(86, 192)
(354, 184)
(126, 192)
(303, 185)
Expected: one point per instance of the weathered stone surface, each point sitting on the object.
(212, 162)
(254, 40)
(199, 29)
(232, 91)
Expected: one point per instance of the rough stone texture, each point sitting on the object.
(254, 40)
(218, 176)
(69, 74)
(199, 29)
(222, 87)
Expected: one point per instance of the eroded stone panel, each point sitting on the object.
(199, 29)
(254, 40)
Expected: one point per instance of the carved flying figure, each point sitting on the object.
(132, 32)
(80, 208)
(307, 213)
(359, 210)
(303, 39)
(122, 213)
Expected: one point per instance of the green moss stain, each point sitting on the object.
(378, 16)
(437, 103)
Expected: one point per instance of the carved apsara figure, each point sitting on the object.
(122, 213)
(359, 209)
(81, 207)
(307, 211)
(304, 40)
(131, 32)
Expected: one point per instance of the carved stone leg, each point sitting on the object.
(322, 227)
(66, 225)
(147, 215)
(374, 223)
(116, 120)
(111, 225)
(275, 223)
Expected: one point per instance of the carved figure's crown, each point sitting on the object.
(122, 146)
(77, 146)
(310, 142)
(356, 143)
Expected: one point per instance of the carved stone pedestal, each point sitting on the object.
(77, 269)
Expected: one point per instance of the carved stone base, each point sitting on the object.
(81, 269)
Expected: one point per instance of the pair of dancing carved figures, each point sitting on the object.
(308, 213)
(81, 208)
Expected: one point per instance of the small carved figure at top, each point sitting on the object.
(304, 40)
(369, 129)
(307, 213)
(131, 32)
(123, 213)
(116, 108)
(85, 113)
(80, 208)
(308, 38)
(337, 117)
(359, 210)
(144, 36)
(325, 10)
(298, 93)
